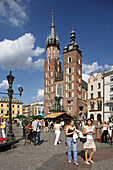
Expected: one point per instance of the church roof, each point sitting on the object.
(84, 85)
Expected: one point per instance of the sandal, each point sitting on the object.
(76, 164)
(87, 163)
(91, 161)
(69, 162)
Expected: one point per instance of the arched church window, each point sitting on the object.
(69, 70)
(69, 60)
(59, 89)
(69, 94)
(69, 86)
(69, 78)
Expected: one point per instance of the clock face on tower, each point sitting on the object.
(70, 47)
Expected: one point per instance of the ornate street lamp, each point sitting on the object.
(10, 79)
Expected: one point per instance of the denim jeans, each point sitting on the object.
(69, 143)
(38, 135)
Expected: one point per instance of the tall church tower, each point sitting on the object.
(72, 73)
(52, 68)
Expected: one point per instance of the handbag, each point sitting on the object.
(3, 126)
(83, 140)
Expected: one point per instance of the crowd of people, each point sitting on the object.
(85, 132)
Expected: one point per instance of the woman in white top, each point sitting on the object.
(57, 127)
(4, 130)
(88, 130)
(104, 132)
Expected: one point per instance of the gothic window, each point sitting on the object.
(59, 89)
(69, 78)
(69, 70)
(48, 68)
(69, 94)
(53, 51)
(49, 61)
(69, 60)
(99, 94)
(69, 86)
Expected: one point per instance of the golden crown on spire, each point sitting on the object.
(52, 25)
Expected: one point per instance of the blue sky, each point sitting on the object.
(23, 30)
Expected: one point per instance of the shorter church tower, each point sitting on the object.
(52, 68)
(72, 74)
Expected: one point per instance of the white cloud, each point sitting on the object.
(94, 67)
(4, 84)
(14, 11)
(88, 68)
(19, 53)
(40, 95)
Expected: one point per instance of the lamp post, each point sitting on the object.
(10, 79)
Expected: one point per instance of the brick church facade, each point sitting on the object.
(64, 90)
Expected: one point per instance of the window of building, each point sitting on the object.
(18, 112)
(49, 81)
(99, 94)
(111, 109)
(69, 70)
(49, 75)
(7, 105)
(49, 61)
(72, 94)
(13, 112)
(59, 89)
(69, 86)
(111, 97)
(69, 60)
(91, 95)
(111, 78)
(69, 78)
(13, 105)
(69, 94)
(111, 88)
(91, 87)
(18, 106)
(69, 109)
(99, 103)
(92, 105)
(99, 85)
(48, 68)
(1, 105)
(53, 51)
(49, 89)
(1, 111)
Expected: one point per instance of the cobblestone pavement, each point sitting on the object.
(50, 157)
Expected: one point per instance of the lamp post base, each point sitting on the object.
(10, 136)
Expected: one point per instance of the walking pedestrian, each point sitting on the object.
(46, 126)
(36, 130)
(70, 130)
(30, 134)
(3, 127)
(57, 128)
(104, 132)
(88, 130)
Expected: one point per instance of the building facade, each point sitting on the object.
(95, 96)
(64, 90)
(108, 94)
(16, 106)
